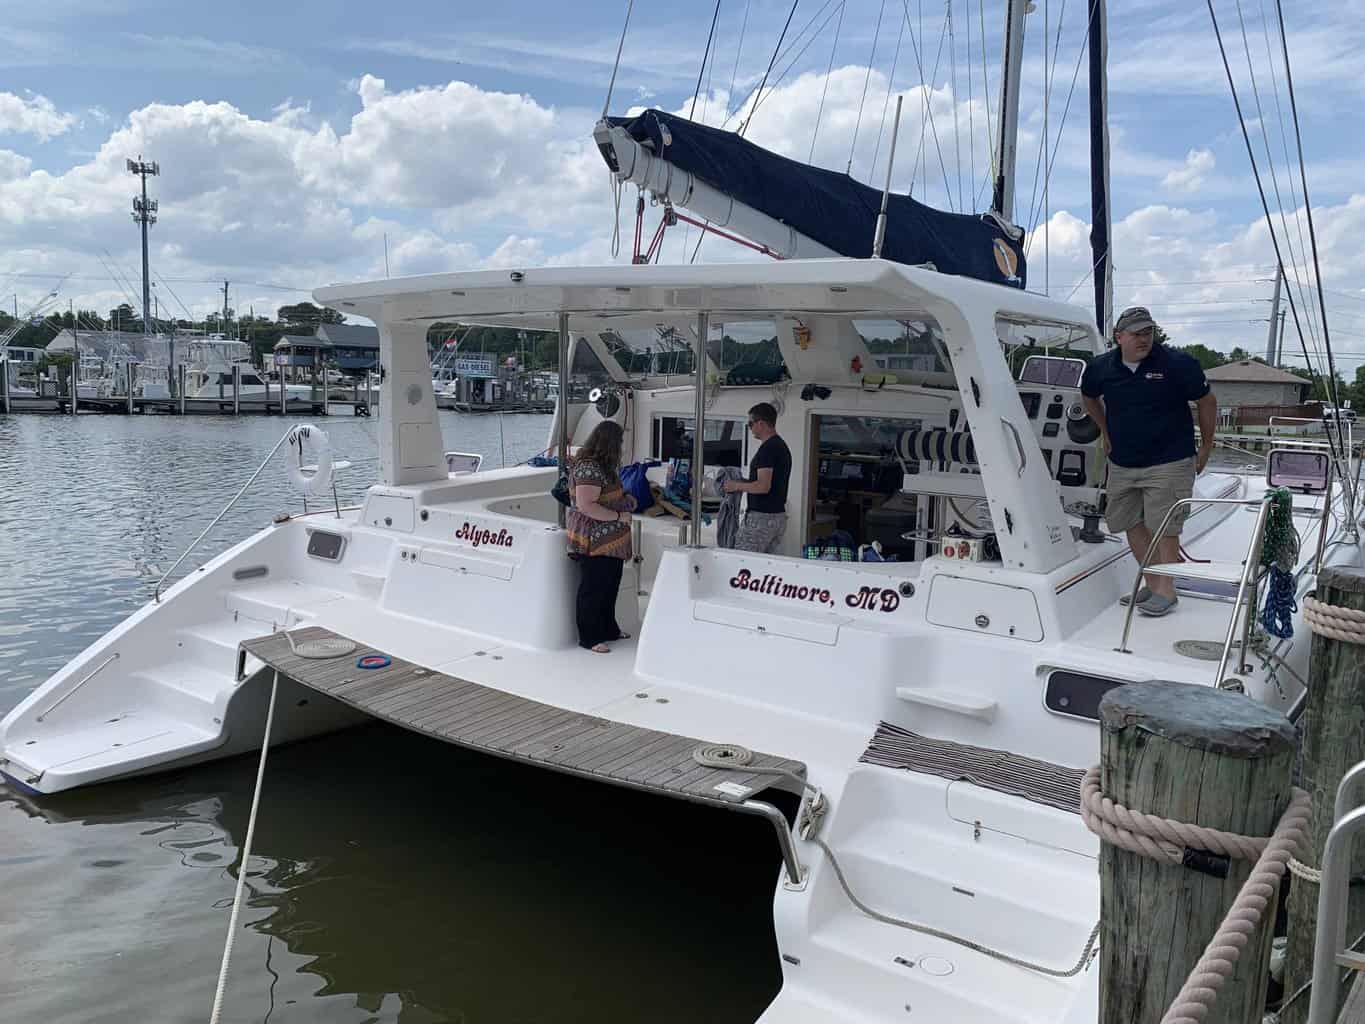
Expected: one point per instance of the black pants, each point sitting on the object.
(598, 584)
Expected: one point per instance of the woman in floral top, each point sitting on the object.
(598, 525)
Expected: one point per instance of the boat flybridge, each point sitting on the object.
(920, 722)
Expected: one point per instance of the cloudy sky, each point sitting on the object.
(293, 137)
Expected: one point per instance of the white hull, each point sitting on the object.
(466, 576)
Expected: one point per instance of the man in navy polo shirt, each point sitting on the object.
(1139, 394)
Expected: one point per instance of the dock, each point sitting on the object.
(52, 398)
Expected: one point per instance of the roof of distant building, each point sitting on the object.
(1249, 371)
(301, 341)
(350, 335)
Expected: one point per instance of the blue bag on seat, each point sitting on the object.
(636, 484)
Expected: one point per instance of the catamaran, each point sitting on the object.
(914, 727)
(922, 720)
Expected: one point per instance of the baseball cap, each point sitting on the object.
(1134, 318)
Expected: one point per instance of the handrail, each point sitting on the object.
(89, 676)
(1330, 941)
(1248, 570)
(156, 595)
(796, 874)
(1326, 515)
(1243, 451)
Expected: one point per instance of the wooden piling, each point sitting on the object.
(129, 376)
(1206, 757)
(236, 389)
(181, 382)
(1333, 741)
(75, 382)
(4, 386)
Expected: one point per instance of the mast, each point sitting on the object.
(1100, 214)
(1002, 198)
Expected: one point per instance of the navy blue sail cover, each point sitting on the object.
(830, 207)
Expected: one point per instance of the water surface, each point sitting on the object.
(393, 878)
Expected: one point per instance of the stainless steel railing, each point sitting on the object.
(1330, 952)
(156, 596)
(1247, 579)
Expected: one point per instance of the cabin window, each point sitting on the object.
(725, 442)
(585, 372)
(1054, 371)
(908, 348)
(1047, 352)
(659, 351)
(746, 351)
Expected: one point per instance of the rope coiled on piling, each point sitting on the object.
(1329, 620)
(1164, 840)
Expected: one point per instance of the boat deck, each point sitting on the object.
(492, 721)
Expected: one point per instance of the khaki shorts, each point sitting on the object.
(1145, 496)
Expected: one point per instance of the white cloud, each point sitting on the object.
(458, 176)
(32, 115)
(12, 165)
(1199, 163)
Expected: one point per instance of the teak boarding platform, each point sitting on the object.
(492, 721)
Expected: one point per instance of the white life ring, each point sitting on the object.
(309, 479)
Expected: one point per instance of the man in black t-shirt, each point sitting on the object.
(770, 470)
(1139, 394)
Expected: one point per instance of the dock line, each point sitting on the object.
(217, 1012)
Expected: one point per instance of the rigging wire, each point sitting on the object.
(606, 107)
(186, 308)
(706, 55)
(1048, 158)
(706, 103)
(734, 71)
(782, 55)
(758, 95)
(871, 60)
(986, 92)
(815, 132)
(801, 33)
(1270, 163)
(1308, 212)
(1270, 224)
(1047, 167)
(782, 75)
(890, 88)
(952, 70)
(710, 37)
(1284, 148)
(926, 95)
(971, 107)
(924, 111)
(758, 98)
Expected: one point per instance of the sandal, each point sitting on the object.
(600, 649)
(622, 635)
